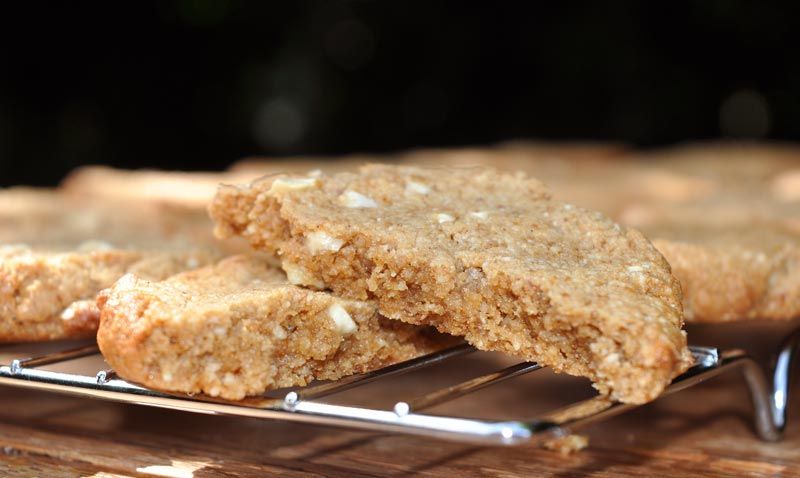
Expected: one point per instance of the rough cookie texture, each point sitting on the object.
(479, 254)
(56, 253)
(736, 251)
(238, 328)
(49, 295)
(736, 258)
(725, 215)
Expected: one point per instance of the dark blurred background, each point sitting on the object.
(199, 84)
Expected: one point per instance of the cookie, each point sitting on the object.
(600, 177)
(736, 250)
(723, 214)
(179, 197)
(736, 257)
(732, 165)
(480, 254)
(50, 217)
(56, 253)
(191, 190)
(48, 295)
(239, 328)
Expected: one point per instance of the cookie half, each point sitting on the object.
(479, 254)
(238, 328)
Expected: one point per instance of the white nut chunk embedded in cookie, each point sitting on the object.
(299, 275)
(480, 214)
(319, 241)
(279, 332)
(342, 320)
(95, 245)
(413, 187)
(356, 200)
(292, 184)
(444, 217)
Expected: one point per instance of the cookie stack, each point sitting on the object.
(478, 254)
(352, 271)
(346, 267)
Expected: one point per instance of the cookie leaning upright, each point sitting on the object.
(479, 254)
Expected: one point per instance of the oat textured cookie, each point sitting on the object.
(238, 328)
(736, 273)
(479, 254)
(56, 253)
(736, 258)
(48, 295)
(736, 251)
(726, 215)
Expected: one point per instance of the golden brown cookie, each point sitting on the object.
(736, 258)
(191, 190)
(479, 254)
(238, 328)
(56, 253)
(595, 176)
(48, 295)
(179, 198)
(736, 250)
(731, 165)
(725, 215)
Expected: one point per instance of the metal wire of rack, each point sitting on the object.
(303, 405)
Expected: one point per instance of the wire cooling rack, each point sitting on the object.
(304, 404)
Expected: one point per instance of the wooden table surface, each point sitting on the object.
(703, 431)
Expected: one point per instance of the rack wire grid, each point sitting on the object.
(303, 404)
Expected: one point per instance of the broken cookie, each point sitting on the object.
(238, 328)
(479, 254)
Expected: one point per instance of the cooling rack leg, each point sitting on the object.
(785, 362)
(766, 421)
(770, 402)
